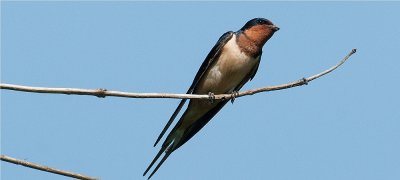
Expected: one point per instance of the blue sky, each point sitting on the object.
(342, 126)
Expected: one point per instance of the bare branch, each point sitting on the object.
(45, 168)
(103, 92)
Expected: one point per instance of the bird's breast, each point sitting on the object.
(225, 74)
(228, 71)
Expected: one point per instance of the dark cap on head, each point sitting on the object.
(258, 21)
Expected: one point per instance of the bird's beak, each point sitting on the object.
(275, 28)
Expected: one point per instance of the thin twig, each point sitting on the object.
(104, 92)
(45, 168)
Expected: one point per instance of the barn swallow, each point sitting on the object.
(232, 62)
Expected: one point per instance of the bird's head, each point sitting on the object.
(259, 30)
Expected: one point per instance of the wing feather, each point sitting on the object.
(214, 54)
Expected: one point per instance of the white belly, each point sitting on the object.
(225, 75)
(230, 69)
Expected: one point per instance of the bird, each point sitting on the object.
(232, 62)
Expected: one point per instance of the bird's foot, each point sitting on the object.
(304, 81)
(234, 95)
(211, 97)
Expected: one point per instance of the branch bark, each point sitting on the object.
(103, 92)
(45, 168)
